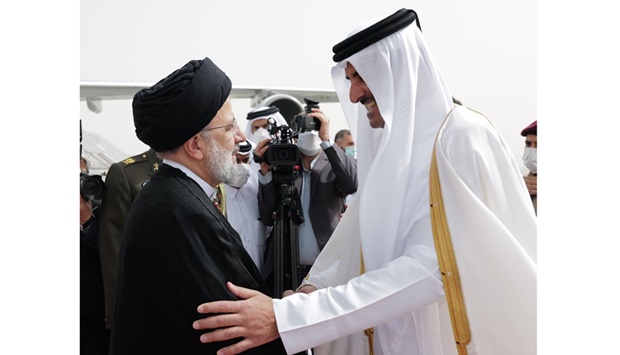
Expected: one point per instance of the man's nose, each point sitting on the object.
(239, 135)
(356, 93)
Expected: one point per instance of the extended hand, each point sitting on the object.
(251, 318)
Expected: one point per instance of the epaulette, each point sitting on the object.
(135, 159)
(129, 161)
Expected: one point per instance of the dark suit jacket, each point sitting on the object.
(178, 251)
(94, 338)
(123, 181)
(333, 178)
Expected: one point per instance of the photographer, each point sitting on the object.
(94, 338)
(256, 130)
(327, 176)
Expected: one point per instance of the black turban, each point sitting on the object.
(177, 107)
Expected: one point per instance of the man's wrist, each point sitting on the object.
(300, 288)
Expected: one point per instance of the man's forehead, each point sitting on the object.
(349, 70)
(259, 122)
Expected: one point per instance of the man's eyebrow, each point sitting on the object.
(354, 74)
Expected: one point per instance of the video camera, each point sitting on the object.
(283, 155)
(282, 150)
(91, 186)
(302, 122)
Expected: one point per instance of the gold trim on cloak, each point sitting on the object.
(447, 260)
(370, 332)
(447, 263)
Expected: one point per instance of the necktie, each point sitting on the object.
(220, 199)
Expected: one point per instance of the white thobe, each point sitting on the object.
(242, 214)
(495, 249)
(487, 208)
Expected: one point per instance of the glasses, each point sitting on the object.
(227, 127)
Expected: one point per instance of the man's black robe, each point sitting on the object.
(178, 251)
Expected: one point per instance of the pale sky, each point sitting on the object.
(486, 51)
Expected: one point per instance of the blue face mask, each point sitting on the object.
(350, 151)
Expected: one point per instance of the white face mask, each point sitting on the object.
(529, 159)
(240, 176)
(260, 135)
(309, 143)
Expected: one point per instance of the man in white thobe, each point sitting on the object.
(257, 130)
(242, 207)
(380, 269)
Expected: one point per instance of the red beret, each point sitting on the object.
(531, 129)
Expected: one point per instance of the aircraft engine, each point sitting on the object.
(288, 105)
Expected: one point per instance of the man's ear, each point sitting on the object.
(196, 147)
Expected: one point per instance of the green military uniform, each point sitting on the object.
(124, 181)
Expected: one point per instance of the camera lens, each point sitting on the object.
(91, 187)
(284, 155)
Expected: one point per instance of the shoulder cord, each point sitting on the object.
(447, 263)
(447, 260)
(370, 332)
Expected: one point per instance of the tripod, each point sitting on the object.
(287, 217)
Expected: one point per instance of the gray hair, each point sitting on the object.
(341, 134)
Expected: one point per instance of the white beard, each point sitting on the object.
(220, 163)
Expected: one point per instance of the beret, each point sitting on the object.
(180, 105)
(531, 129)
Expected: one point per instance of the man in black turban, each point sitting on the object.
(178, 249)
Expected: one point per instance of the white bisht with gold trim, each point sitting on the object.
(495, 246)
(400, 291)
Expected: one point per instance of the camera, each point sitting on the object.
(302, 122)
(91, 186)
(282, 151)
(283, 155)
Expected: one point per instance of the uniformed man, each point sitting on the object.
(124, 181)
